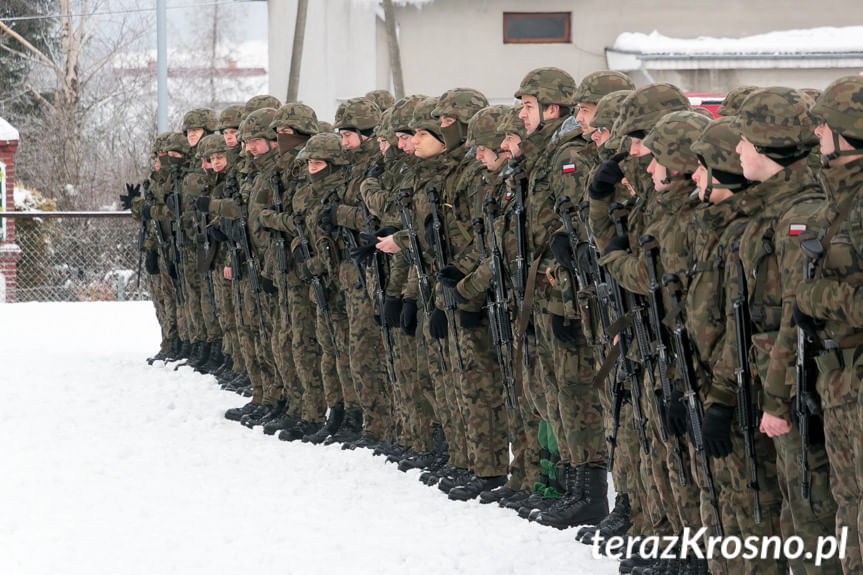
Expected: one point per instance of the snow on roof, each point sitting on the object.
(825, 40)
(7, 131)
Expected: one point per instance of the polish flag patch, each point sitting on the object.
(796, 229)
(568, 168)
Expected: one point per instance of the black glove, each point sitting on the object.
(131, 193)
(172, 270)
(438, 324)
(408, 318)
(469, 319)
(449, 276)
(567, 333)
(327, 217)
(375, 170)
(561, 251)
(203, 204)
(429, 235)
(616, 244)
(268, 286)
(145, 212)
(216, 234)
(392, 311)
(385, 231)
(173, 202)
(377, 319)
(807, 323)
(675, 414)
(151, 262)
(716, 430)
(298, 255)
(362, 254)
(606, 177)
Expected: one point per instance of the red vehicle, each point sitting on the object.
(706, 100)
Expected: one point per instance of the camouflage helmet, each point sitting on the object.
(206, 145)
(159, 143)
(733, 99)
(258, 124)
(645, 106)
(325, 127)
(548, 85)
(403, 112)
(231, 117)
(596, 85)
(382, 98)
(357, 114)
(176, 142)
(608, 109)
(326, 147)
(716, 147)
(384, 129)
(813, 93)
(671, 140)
(423, 119)
(299, 117)
(840, 106)
(779, 119)
(260, 101)
(460, 103)
(703, 111)
(200, 118)
(510, 123)
(484, 128)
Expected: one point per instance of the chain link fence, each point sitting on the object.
(77, 256)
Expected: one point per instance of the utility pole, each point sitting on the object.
(297, 51)
(395, 54)
(161, 66)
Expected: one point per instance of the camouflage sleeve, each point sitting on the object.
(832, 299)
(225, 207)
(399, 270)
(629, 270)
(723, 387)
(374, 196)
(411, 286)
(350, 217)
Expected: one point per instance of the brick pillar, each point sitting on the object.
(9, 250)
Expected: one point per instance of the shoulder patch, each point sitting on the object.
(796, 229)
(568, 168)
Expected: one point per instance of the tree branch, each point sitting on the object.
(42, 58)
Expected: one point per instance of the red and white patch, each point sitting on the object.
(796, 229)
(568, 168)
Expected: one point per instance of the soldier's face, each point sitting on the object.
(700, 179)
(585, 115)
(658, 172)
(529, 113)
(637, 148)
(511, 143)
(206, 165)
(383, 145)
(405, 142)
(350, 139)
(426, 145)
(316, 166)
(600, 136)
(258, 146)
(447, 121)
(754, 166)
(230, 135)
(193, 135)
(219, 161)
(489, 158)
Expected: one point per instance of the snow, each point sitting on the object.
(803, 41)
(24, 199)
(7, 131)
(112, 466)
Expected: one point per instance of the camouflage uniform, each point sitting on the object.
(831, 298)
(778, 122)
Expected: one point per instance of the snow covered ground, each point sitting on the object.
(113, 467)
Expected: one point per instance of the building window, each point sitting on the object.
(536, 27)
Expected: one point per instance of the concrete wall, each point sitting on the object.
(449, 43)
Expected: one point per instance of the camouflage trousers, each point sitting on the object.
(335, 371)
(227, 319)
(173, 313)
(191, 308)
(544, 356)
(366, 353)
(306, 352)
(844, 443)
(281, 346)
(162, 306)
(483, 408)
(419, 390)
(806, 518)
(254, 342)
(523, 425)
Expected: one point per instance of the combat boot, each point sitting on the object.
(206, 348)
(216, 359)
(241, 380)
(452, 477)
(365, 440)
(164, 351)
(236, 413)
(299, 430)
(590, 508)
(515, 499)
(227, 365)
(173, 352)
(261, 416)
(418, 461)
(284, 421)
(496, 494)
(615, 523)
(350, 430)
(335, 416)
(476, 486)
(185, 350)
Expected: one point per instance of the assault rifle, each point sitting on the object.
(656, 311)
(241, 236)
(450, 304)
(415, 259)
(519, 279)
(349, 238)
(745, 405)
(233, 248)
(683, 353)
(497, 304)
(278, 239)
(169, 263)
(806, 403)
(141, 233)
(317, 286)
(178, 231)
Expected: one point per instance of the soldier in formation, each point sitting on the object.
(521, 301)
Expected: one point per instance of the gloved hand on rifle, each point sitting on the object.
(807, 323)
(392, 311)
(561, 251)
(675, 414)
(327, 218)
(173, 202)
(716, 430)
(438, 327)
(203, 204)
(616, 244)
(408, 318)
(375, 170)
(151, 262)
(216, 234)
(268, 286)
(449, 276)
(145, 213)
(606, 177)
(132, 192)
(469, 319)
